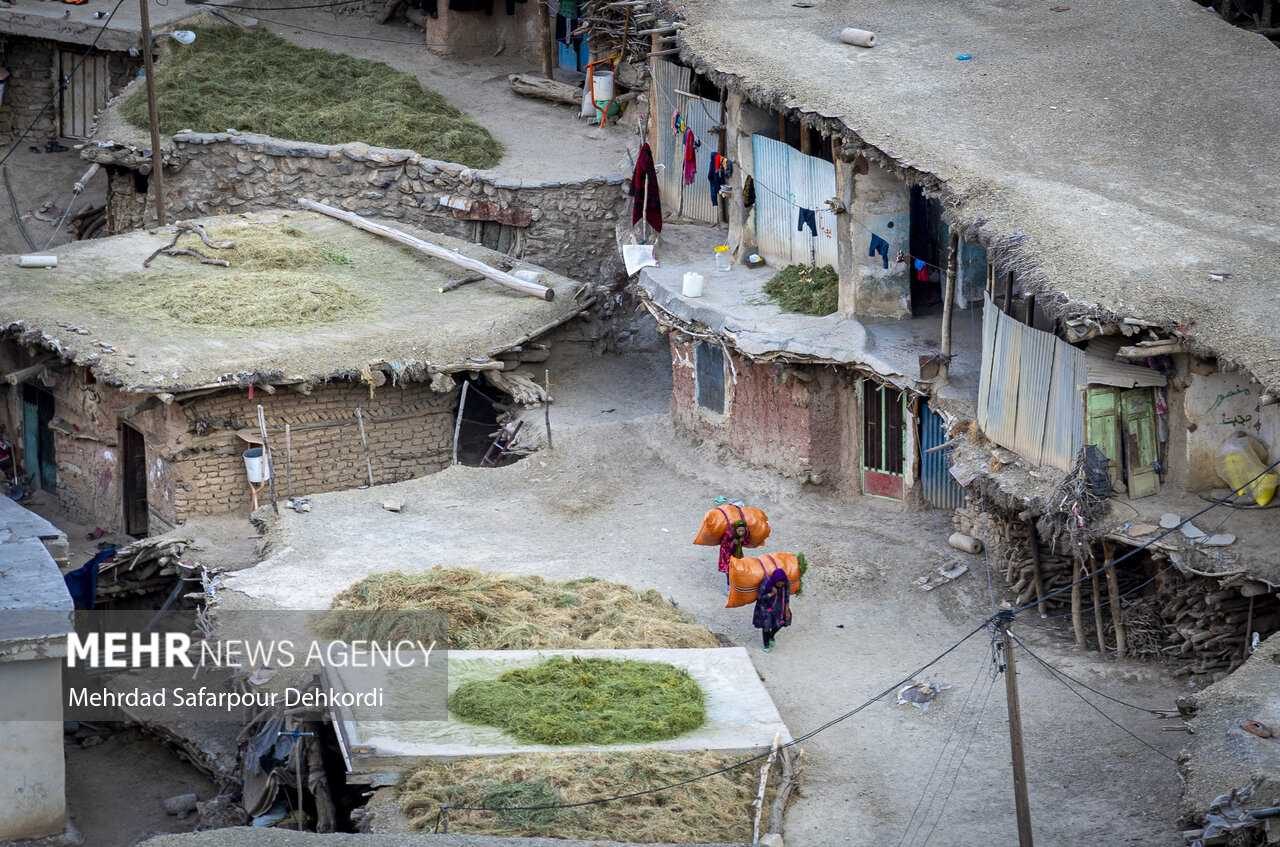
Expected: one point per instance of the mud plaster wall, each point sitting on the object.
(777, 416)
(86, 442)
(1214, 405)
(409, 430)
(567, 227)
(474, 34)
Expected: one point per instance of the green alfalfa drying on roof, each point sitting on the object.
(574, 700)
(255, 81)
(806, 289)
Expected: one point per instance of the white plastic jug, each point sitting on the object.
(602, 86)
(255, 465)
(692, 285)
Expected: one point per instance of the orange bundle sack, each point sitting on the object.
(746, 576)
(717, 520)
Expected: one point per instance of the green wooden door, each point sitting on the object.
(1103, 428)
(1141, 449)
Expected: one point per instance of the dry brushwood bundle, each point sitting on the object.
(1076, 504)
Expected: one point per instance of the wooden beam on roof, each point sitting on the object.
(21, 374)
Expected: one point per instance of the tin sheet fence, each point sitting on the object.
(787, 180)
(1030, 390)
(668, 78)
(940, 488)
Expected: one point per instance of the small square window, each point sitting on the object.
(709, 376)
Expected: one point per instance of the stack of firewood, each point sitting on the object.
(151, 565)
(1207, 626)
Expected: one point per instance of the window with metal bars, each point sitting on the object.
(883, 429)
(709, 376)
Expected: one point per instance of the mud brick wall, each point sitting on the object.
(410, 432)
(567, 227)
(777, 416)
(31, 79)
(86, 429)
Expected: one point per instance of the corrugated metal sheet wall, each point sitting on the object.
(1029, 391)
(701, 115)
(786, 180)
(669, 78)
(940, 488)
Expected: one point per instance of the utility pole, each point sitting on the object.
(157, 158)
(1015, 732)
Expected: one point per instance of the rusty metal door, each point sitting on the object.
(87, 88)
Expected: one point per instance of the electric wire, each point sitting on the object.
(973, 733)
(346, 34)
(332, 5)
(964, 707)
(1053, 673)
(1153, 712)
(1136, 550)
(727, 768)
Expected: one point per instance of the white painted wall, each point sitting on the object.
(33, 776)
(1216, 405)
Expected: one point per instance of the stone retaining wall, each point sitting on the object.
(567, 227)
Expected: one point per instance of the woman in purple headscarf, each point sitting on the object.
(773, 606)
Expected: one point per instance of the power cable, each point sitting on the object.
(1153, 712)
(973, 733)
(942, 751)
(62, 84)
(1052, 673)
(348, 35)
(801, 739)
(336, 4)
(1136, 550)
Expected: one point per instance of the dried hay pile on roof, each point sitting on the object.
(256, 81)
(502, 612)
(715, 809)
(279, 276)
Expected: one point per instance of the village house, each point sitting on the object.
(1000, 304)
(138, 418)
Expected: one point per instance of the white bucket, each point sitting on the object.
(692, 285)
(602, 85)
(255, 465)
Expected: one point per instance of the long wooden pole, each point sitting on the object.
(266, 455)
(153, 117)
(948, 304)
(433, 250)
(546, 34)
(1033, 541)
(1077, 613)
(288, 462)
(364, 445)
(457, 424)
(1113, 594)
(1020, 798)
(1097, 606)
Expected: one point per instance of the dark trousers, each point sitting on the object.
(768, 636)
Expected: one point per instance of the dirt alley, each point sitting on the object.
(620, 499)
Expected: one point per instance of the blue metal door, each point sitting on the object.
(940, 488)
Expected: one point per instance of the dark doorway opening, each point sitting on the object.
(928, 254)
(133, 463)
(39, 461)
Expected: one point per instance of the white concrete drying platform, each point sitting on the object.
(741, 716)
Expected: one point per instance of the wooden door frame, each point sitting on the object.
(126, 477)
(876, 482)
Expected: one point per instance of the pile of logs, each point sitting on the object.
(1209, 627)
(632, 27)
(149, 566)
(1197, 622)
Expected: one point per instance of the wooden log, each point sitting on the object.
(434, 250)
(764, 780)
(783, 794)
(1113, 594)
(529, 85)
(1096, 585)
(1033, 537)
(364, 444)
(266, 454)
(1077, 613)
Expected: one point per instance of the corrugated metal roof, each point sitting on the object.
(1104, 372)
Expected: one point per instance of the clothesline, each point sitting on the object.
(787, 198)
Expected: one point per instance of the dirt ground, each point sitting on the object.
(115, 790)
(42, 185)
(621, 496)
